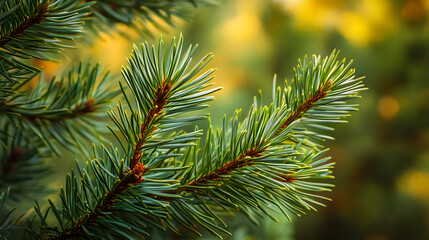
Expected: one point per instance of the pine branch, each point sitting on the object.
(35, 29)
(136, 169)
(243, 160)
(120, 190)
(262, 161)
(265, 162)
(13, 72)
(34, 18)
(64, 110)
(248, 157)
(108, 201)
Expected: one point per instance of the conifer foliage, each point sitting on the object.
(156, 176)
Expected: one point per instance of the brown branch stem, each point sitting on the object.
(303, 107)
(146, 128)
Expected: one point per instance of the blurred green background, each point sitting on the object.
(382, 155)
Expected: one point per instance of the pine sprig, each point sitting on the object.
(317, 95)
(113, 188)
(262, 124)
(35, 29)
(61, 112)
(262, 162)
(167, 180)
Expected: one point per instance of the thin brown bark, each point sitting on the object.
(158, 105)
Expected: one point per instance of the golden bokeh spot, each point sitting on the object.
(244, 26)
(426, 5)
(314, 14)
(388, 107)
(370, 21)
(415, 183)
(111, 49)
(50, 68)
(362, 23)
(228, 87)
(242, 37)
(379, 12)
(243, 31)
(356, 29)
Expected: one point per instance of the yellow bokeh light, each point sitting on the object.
(362, 23)
(50, 68)
(242, 34)
(244, 30)
(371, 20)
(415, 183)
(314, 14)
(113, 47)
(388, 107)
(356, 28)
(112, 50)
(245, 25)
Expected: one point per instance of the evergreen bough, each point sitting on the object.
(157, 177)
